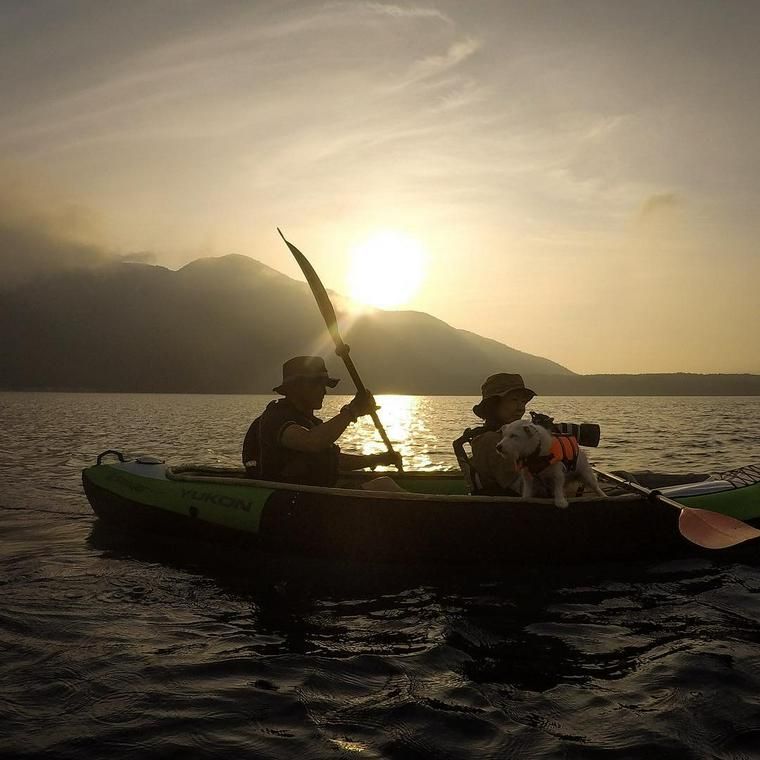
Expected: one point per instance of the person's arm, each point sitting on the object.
(360, 461)
(321, 437)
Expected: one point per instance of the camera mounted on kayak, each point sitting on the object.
(586, 433)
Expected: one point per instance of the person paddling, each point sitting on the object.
(288, 444)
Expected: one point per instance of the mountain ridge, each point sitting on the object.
(225, 325)
(221, 324)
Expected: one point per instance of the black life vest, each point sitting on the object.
(265, 457)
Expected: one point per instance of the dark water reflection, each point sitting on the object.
(113, 647)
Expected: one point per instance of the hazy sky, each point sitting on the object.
(584, 175)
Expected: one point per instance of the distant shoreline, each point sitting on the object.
(665, 385)
(349, 393)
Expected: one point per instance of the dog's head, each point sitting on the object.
(519, 439)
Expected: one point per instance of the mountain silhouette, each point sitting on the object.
(91, 322)
(223, 325)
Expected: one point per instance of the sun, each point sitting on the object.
(386, 270)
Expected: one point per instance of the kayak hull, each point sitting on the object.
(356, 524)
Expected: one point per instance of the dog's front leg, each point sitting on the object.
(527, 485)
(560, 499)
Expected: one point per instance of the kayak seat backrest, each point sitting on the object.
(464, 460)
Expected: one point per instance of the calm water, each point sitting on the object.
(110, 649)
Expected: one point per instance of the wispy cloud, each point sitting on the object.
(435, 65)
(658, 204)
(389, 9)
(36, 241)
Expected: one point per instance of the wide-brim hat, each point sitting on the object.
(498, 385)
(304, 367)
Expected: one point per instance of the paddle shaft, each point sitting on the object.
(360, 387)
(636, 488)
(331, 320)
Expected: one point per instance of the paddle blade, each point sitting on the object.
(318, 289)
(713, 530)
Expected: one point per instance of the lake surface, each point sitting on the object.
(109, 649)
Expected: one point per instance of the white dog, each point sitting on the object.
(556, 460)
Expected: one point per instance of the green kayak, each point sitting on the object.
(432, 519)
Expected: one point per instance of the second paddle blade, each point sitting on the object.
(713, 530)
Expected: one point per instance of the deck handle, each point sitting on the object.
(105, 453)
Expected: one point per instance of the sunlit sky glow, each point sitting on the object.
(581, 176)
(386, 269)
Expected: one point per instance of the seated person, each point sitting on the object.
(288, 444)
(504, 400)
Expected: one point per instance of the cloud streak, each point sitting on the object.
(659, 204)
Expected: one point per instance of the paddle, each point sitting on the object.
(331, 320)
(710, 530)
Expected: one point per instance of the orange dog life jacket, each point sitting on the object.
(564, 449)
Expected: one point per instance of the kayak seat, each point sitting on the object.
(464, 460)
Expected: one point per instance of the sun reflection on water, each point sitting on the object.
(407, 420)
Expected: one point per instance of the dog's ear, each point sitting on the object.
(528, 430)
